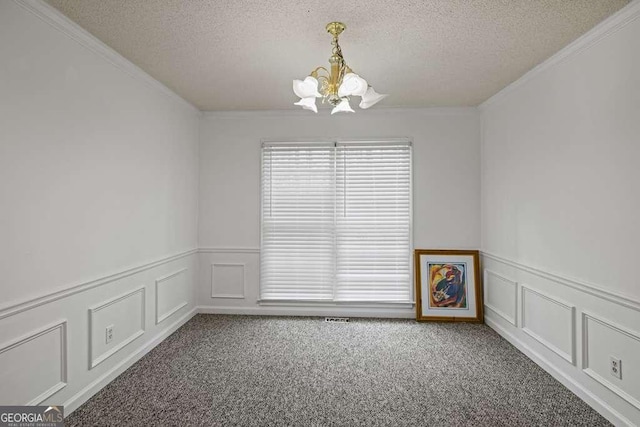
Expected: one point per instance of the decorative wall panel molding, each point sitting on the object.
(551, 322)
(501, 296)
(112, 373)
(602, 339)
(229, 283)
(561, 374)
(166, 288)
(126, 314)
(588, 288)
(14, 309)
(35, 366)
(589, 341)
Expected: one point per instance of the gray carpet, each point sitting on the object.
(267, 371)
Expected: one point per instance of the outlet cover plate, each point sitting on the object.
(615, 367)
(109, 334)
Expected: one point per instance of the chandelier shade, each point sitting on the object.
(337, 84)
(308, 103)
(370, 98)
(343, 107)
(352, 85)
(306, 88)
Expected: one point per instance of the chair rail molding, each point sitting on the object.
(577, 284)
(234, 250)
(15, 308)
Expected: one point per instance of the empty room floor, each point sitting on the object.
(303, 371)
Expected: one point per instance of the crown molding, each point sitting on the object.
(60, 22)
(604, 29)
(424, 111)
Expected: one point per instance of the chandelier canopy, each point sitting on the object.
(337, 85)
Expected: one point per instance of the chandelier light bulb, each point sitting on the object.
(336, 84)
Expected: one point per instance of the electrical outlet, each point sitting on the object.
(109, 334)
(615, 367)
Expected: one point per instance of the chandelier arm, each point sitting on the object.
(319, 68)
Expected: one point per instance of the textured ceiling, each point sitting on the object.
(243, 54)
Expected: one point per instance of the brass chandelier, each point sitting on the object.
(337, 85)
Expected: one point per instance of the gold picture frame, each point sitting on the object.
(448, 286)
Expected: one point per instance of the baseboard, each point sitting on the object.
(388, 313)
(86, 393)
(578, 389)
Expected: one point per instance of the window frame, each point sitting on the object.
(320, 303)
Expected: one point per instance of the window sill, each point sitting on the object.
(346, 304)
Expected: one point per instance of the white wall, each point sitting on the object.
(98, 185)
(99, 188)
(560, 203)
(445, 184)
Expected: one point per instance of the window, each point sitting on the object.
(336, 221)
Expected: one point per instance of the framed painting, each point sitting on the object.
(448, 287)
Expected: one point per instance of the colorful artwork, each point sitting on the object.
(448, 285)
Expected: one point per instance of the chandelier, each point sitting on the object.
(337, 85)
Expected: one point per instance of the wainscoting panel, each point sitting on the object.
(39, 362)
(172, 294)
(550, 322)
(230, 284)
(49, 361)
(501, 296)
(228, 280)
(125, 315)
(572, 330)
(602, 340)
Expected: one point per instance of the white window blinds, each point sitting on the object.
(373, 205)
(298, 239)
(336, 221)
